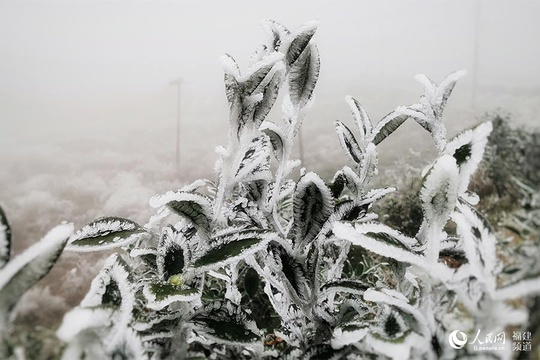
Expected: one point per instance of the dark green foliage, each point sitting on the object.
(312, 207)
(462, 154)
(5, 239)
(164, 290)
(193, 211)
(226, 252)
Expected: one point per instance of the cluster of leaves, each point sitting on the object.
(257, 265)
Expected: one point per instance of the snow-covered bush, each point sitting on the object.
(180, 285)
(20, 273)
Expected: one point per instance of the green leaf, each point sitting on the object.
(235, 247)
(338, 184)
(348, 142)
(105, 233)
(388, 125)
(255, 164)
(261, 74)
(161, 294)
(171, 255)
(439, 191)
(5, 239)
(276, 135)
(270, 94)
(228, 328)
(251, 282)
(303, 76)
(313, 205)
(300, 42)
(276, 32)
(346, 286)
(467, 148)
(381, 240)
(82, 319)
(233, 92)
(293, 272)
(346, 177)
(22, 272)
(113, 286)
(193, 211)
(361, 118)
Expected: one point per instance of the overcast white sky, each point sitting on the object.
(96, 65)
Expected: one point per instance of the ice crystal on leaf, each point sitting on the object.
(261, 263)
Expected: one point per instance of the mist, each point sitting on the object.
(89, 107)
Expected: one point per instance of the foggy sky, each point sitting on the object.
(88, 62)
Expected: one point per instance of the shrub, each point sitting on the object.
(260, 265)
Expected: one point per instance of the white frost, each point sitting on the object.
(54, 239)
(82, 319)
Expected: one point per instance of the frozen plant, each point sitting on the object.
(179, 285)
(20, 273)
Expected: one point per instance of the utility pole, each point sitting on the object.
(178, 83)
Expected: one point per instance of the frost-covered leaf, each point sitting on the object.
(5, 239)
(381, 240)
(264, 81)
(439, 195)
(227, 325)
(348, 142)
(303, 63)
(520, 289)
(368, 165)
(233, 247)
(293, 272)
(361, 119)
(255, 163)
(355, 287)
(277, 137)
(276, 33)
(195, 207)
(171, 258)
(303, 76)
(105, 233)
(298, 42)
(113, 286)
(397, 349)
(348, 334)
(232, 90)
(23, 271)
(479, 243)
(320, 351)
(437, 95)
(348, 210)
(338, 184)
(388, 125)
(468, 149)
(160, 294)
(313, 205)
(269, 96)
(397, 300)
(346, 177)
(439, 191)
(83, 319)
(252, 95)
(251, 282)
(260, 74)
(129, 346)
